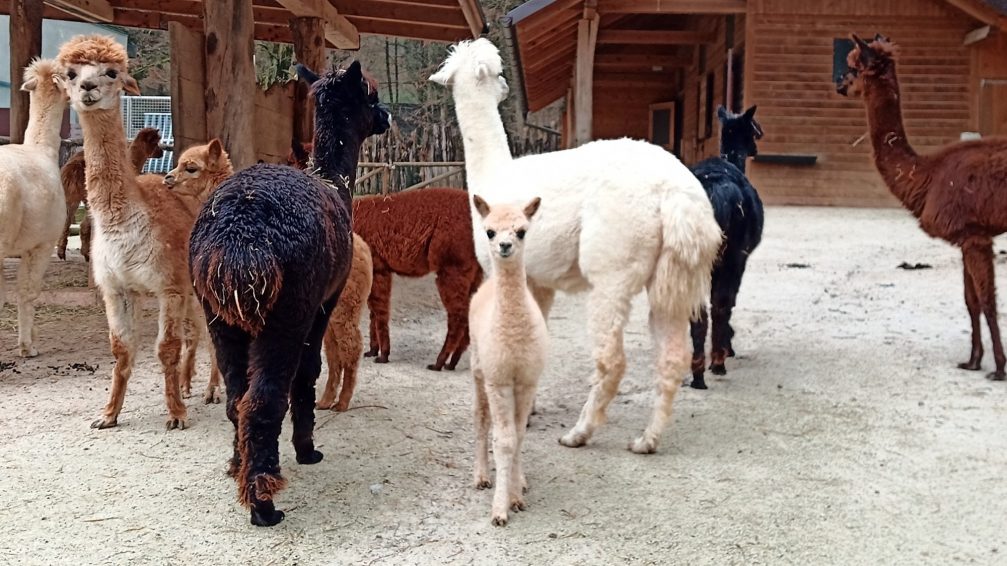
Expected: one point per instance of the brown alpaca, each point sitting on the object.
(146, 145)
(343, 341)
(412, 234)
(956, 193)
(200, 169)
(299, 154)
(142, 231)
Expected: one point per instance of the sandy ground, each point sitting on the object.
(843, 434)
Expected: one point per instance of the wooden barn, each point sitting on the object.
(658, 69)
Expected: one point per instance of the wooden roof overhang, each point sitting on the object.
(638, 40)
(344, 20)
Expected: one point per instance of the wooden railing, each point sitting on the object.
(399, 176)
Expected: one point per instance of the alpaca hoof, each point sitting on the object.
(718, 369)
(996, 376)
(482, 483)
(698, 382)
(105, 422)
(451, 367)
(517, 504)
(61, 254)
(434, 367)
(381, 359)
(323, 405)
(28, 351)
(211, 397)
(642, 446)
(500, 520)
(573, 439)
(371, 353)
(313, 458)
(971, 366)
(341, 407)
(176, 422)
(730, 351)
(186, 392)
(266, 518)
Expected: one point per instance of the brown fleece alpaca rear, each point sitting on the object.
(146, 145)
(412, 234)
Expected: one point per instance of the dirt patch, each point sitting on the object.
(842, 434)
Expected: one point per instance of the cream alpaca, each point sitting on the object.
(141, 230)
(618, 217)
(509, 348)
(30, 193)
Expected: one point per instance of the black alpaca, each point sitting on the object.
(738, 210)
(269, 254)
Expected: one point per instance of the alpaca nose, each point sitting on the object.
(505, 247)
(88, 85)
(169, 180)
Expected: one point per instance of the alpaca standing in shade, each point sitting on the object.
(957, 193)
(618, 217)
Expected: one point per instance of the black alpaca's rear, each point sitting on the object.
(738, 210)
(269, 255)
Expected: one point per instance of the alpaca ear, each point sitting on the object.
(750, 113)
(306, 74)
(31, 84)
(481, 207)
(532, 207)
(722, 114)
(483, 71)
(215, 150)
(354, 71)
(867, 54)
(441, 77)
(130, 85)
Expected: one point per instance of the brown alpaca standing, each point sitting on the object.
(958, 194)
(141, 231)
(146, 145)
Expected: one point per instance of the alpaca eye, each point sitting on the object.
(490, 234)
(71, 75)
(192, 169)
(111, 73)
(520, 234)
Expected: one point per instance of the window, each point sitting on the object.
(840, 49)
(663, 126)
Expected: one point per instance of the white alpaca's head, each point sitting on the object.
(94, 72)
(41, 81)
(505, 226)
(474, 64)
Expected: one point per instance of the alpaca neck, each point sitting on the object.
(893, 156)
(335, 155)
(734, 157)
(105, 160)
(137, 157)
(44, 122)
(511, 283)
(483, 135)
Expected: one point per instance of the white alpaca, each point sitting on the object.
(618, 216)
(509, 348)
(32, 208)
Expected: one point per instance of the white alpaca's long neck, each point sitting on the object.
(44, 123)
(483, 136)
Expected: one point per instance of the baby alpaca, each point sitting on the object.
(344, 344)
(509, 345)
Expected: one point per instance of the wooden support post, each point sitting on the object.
(230, 77)
(587, 38)
(188, 77)
(309, 50)
(25, 43)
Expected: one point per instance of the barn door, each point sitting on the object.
(993, 107)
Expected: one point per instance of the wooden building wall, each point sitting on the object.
(788, 73)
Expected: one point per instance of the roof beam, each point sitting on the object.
(657, 62)
(658, 37)
(338, 30)
(473, 16)
(674, 6)
(87, 10)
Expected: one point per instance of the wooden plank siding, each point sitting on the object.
(788, 72)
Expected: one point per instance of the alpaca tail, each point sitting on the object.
(240, 282)
(691, 238)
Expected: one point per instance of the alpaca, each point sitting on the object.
(955, 193)
(412, 234)
(141, 230)
(299, 154)
(146, 145)
(199, 171)
(509, 348)
(343, 341)
(269, 255)
(618, 216)
(31, 200)
(738, 209)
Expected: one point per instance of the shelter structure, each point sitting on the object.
(657, 70)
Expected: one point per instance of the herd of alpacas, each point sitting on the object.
(277, 261)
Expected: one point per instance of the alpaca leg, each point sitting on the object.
(349, 361)
(120, 308)
(981, 267)
(524, 400)
(302, 390)
(230, 345)
(698, 329)
(453, 287)
(212, 394)
(171, 324)
(972, 304)
(85, 236)
(481, 414)
(463, 344)
(331, 345)
(672, 364)
(502, 411)
(192, 334)
(609, 306)
(379, 302)
(725, 293)
(29, 279)
(71, 211)
(373, 335)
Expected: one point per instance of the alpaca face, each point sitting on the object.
(865, 60)
(96, 86)
(150, 138)
(474, 64)
(505, 227)
(197, 167)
